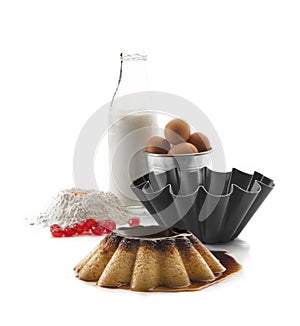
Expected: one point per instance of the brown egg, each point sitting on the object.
(200, 141)
(177, 131)
(183, 148)
(157, 145)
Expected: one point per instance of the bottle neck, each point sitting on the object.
(133, 77)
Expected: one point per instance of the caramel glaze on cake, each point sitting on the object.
(145, 258)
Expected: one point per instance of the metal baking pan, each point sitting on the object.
(216, 206)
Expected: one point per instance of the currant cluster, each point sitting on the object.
(88, 226)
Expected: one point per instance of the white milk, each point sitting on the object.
(127, 139)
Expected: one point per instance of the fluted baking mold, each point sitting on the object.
(216, 206)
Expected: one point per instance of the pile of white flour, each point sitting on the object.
(74, 205)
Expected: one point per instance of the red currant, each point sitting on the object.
(134, 221)
(108, 225)
(56, 231)
(86, 228)
(69, 231)
(97, 230)
(54, 227)
(79, 228)
(89, 222)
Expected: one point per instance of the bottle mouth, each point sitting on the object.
(133, 57)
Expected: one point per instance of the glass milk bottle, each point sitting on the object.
(130, 126)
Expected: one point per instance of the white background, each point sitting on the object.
(237, 60)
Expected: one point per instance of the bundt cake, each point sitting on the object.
(147, 257)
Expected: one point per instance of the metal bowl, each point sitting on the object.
(184, 162)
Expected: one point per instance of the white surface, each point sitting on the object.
(237, 60)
